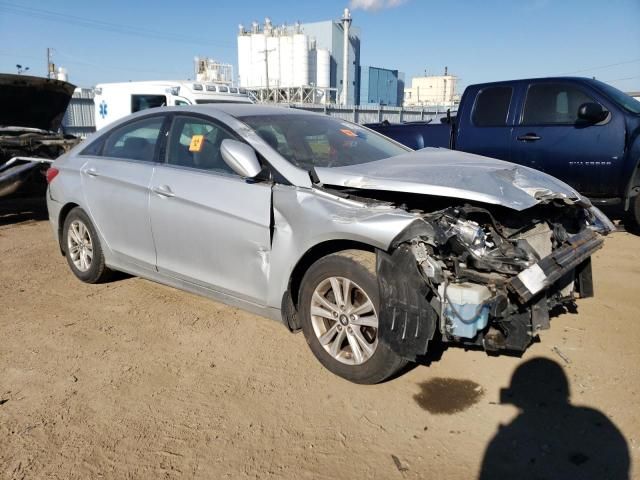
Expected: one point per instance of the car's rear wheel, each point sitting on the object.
(339, 305)
(82, 248)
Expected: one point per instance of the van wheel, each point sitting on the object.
(339, 305)
(82, 248)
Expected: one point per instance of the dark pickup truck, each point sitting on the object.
(579, 130)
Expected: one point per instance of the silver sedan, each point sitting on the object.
(372, 250)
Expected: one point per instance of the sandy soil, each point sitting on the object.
(136, 380)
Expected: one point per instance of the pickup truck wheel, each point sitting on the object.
(82, 248)
(634, 214)
(339, 305)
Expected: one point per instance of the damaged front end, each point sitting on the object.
(486, 278)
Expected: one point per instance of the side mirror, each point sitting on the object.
(592, 112)
(241, 158)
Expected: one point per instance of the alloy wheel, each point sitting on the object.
(344, 320)
(80, 245)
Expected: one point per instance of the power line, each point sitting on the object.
(75, 61)
(602, 66)
(621, 79)
(102, 25)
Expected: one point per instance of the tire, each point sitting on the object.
(634, 215)
(82, 248)
(368, 361)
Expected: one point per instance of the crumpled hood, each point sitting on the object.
(448, 173)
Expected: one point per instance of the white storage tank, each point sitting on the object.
(323, 68)
(273, 58)
(286, 61)
(258, 65)
(300, 60)
(244, 59)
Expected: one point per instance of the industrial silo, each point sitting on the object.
(300, 60)
(286, 59)
(273, 58)
(257, 77)
(323, 68)
(244, 57)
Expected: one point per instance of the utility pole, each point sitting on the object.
(266, 65)
(50, 66)
(346, 23)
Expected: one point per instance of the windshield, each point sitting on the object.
(313, 140)
(622, 99)
(205, 101)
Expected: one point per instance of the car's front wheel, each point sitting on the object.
(339, 305)
(82, 248)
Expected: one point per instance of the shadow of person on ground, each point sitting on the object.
(550, 438)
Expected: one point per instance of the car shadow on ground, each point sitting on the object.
(22, 209)
(551, 438)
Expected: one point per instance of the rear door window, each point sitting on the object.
(134, 141)
(492, 107)
(553, 104)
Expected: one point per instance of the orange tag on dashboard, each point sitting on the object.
(196, 143)
(349, 133)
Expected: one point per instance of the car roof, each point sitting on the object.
(538, 79)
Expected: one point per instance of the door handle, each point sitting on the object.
(163, 190)
(92, 172)
(529, 137)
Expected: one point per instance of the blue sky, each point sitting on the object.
(479, 41)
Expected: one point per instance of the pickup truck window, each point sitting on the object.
(492, 107)
(553, 104)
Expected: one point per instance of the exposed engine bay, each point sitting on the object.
(484, 275)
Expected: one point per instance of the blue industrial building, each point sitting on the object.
(380, 86)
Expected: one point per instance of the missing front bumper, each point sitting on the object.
(542, 275)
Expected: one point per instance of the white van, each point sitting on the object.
(116, 100)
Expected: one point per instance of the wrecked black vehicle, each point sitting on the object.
(30, 118)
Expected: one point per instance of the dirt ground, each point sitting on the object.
(133, 379)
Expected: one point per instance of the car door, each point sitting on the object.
(550, 137)
(489, 131)
(115, 183)
(210, 226)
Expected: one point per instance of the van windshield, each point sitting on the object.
(204, 101)
(309, 141)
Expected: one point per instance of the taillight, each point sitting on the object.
(52, 172)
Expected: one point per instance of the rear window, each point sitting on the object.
(492, 107)
(134, 141)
